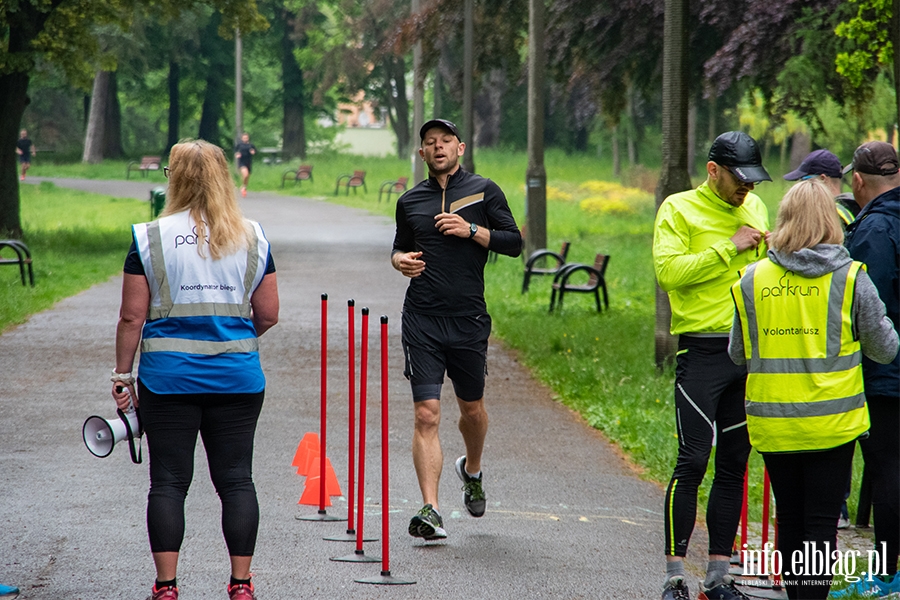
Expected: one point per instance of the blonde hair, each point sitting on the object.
(199, 181)
(807, 216)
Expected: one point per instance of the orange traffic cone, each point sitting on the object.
(312, 459)
(332, 487)
(310, 440)
(310, 495)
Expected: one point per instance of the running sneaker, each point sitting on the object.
(676, 589)
(241, 591)
(843, 523)
(166, 592)
(724, 591)
(868, 589)
(473, 492)
(243, 192)
(427, 524)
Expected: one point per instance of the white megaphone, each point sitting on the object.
(101, 435)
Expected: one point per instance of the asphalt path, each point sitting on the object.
(567, 517)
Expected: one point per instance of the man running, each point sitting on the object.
(445, 227)
(243, 152)
(702, 239)
(25, 150)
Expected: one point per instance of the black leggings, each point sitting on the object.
(227, 424)
(709, 391)
(881, 451)
(809, 490)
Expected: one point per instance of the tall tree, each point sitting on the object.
(293, 98)
(218, 58)
(674, 176)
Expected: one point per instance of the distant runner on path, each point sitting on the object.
(243, 152)
(25, 150)
(445, 227)
(702, 239)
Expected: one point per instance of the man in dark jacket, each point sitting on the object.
(874, 238)
(445, 227)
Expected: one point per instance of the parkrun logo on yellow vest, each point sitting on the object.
(786, 288)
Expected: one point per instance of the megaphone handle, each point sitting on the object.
(130, 409)
(136, 455)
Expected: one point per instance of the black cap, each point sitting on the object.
(740, 153)
(438, 123)
(819, 162)
(874, 158)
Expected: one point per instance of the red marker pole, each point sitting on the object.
(385, 578)
(322, 515)
(359, 555)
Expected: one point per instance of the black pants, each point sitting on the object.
(709, 396)
(227, 424)
(809, 490)
(881, 451)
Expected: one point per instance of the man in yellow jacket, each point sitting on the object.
(702, 239)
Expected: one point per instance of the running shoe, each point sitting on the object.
(843, 523)
(241, 591)
(8, 591)
(868, 589)
(473, 492)
(676, 589)
(427, 524)
(724, 591)
(243, 192)
(166, 592)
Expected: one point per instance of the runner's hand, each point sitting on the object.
(409, 264)
(452, 224)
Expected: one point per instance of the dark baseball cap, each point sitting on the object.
(818, 162)
(438, 123)
(874, 158)
(740, 153)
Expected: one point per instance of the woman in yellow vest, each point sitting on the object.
(805, 315)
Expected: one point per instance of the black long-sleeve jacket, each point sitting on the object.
(452, 283)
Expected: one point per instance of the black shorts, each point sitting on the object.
(245, 165)
(457, 345)
(25, 159)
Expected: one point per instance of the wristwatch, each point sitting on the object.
(472, 229)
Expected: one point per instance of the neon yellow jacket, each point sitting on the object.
(805, 381)
(695, 260)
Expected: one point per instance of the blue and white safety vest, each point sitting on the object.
(198, 336)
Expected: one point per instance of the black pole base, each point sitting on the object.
(319, 516)
(385, 579)
(350, 536)
(358, 556)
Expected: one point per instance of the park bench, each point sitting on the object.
(358, 179)
(596, 281)
(23, 258)
(397, 186)
(542, 256)
(302, 173)
(147, 163)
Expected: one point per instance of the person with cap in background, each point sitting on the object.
(874, 239)
(702, 240)
(824, 165)
(445, 227)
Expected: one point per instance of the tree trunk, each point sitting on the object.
(174, 105)
(93, 139)
(801, 145)
(212, 108)
(536, 173)
(692, 137)
(489, 110)
(674, 176)
(395, 70)
(112, 130)
(468, 116)
(219, 54)
(713, 131)
(293, 131)
(616, 154)
(438, 93)
(418, 166)
(13, 100)
(631, 130)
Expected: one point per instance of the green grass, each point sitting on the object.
(76, 239)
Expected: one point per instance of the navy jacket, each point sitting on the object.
(452, 283)
(874, 238)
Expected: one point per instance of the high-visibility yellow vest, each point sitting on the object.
(805, 381)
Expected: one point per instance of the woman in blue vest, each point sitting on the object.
(199, 289)
(805, 315)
